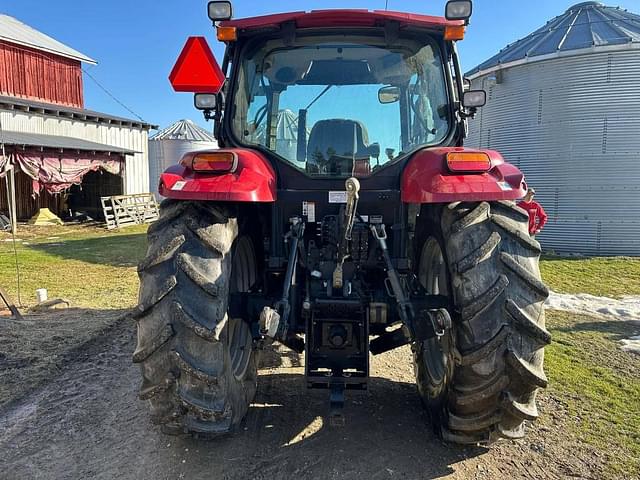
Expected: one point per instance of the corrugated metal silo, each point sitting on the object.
(563, 105)
(167, 147)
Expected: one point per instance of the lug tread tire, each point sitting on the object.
(499, 322)
(183, 334)
(475, 257)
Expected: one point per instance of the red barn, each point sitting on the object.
(66, 156)
(38, 67)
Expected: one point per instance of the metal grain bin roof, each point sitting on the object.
(14, 31)
(583, 28)
(184, 130)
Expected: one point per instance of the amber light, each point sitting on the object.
(227, 34)
(454, 32)
(468, 161)
(211, 162)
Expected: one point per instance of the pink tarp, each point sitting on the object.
(58, 173)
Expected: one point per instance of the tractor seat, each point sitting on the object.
(331, 144)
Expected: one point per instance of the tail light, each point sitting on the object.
(213, 162)
(468, 162)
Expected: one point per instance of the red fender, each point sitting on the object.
(254, 180)
(426, 179)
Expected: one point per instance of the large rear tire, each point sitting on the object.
(479, 381)
(198, 366)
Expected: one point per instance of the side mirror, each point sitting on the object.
(458, 10)
(205, 101)
(219, 11)
(389, 94)
(474, 98)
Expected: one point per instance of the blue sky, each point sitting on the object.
(137, 41)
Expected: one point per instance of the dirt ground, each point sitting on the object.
(86, 422)
(36, 349)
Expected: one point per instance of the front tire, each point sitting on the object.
(198, 366)
(494, 354)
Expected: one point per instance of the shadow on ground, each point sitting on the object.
(386, 434)
(616, 329)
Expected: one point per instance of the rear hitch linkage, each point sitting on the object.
(415, 328)
(420, 320)
(274, 321)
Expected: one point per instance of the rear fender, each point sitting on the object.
(426, 179)
(253, 180)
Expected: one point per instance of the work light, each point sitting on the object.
(205, 101)
(219, 11)
(474, 98)
(458, 10)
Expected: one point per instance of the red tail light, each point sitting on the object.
(468, 162)
(220, 162)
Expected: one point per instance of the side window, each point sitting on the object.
(255, 130)
(421, 118)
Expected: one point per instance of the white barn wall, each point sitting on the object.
(136, 177)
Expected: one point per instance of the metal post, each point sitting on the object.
(8, 172)
(11, 179)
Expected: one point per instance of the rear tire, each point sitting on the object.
(198, 365)
(494, 355)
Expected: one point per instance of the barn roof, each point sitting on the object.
(82, 114)
(583, 28)
(14, 31)
(58, 142)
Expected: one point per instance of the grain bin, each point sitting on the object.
(167, 147)
(563, 104)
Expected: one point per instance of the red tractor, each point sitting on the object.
(341, 216)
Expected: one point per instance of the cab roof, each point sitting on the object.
(340, 18)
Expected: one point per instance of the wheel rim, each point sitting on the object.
(242, 279)
(433, 277)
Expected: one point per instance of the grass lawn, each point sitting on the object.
(89, 266)
(601, 276)
(599, 387)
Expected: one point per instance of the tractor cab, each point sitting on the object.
(316, 102)
(340, 93)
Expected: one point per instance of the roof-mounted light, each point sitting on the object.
(219, 11)
(459, 10)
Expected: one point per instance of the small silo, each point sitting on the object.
(167, 147)
(563, 104)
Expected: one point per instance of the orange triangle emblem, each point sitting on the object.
(196, 69)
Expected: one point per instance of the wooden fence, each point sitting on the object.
(124, 210)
